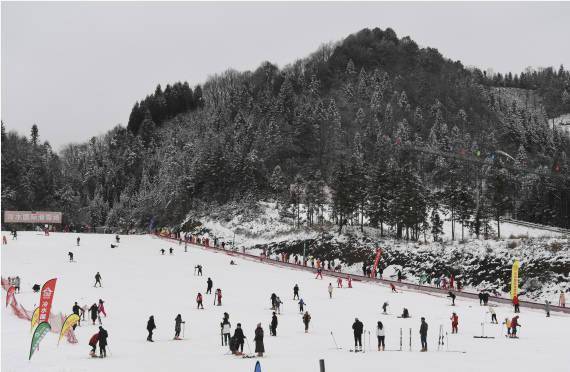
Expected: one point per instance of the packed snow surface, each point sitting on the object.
(138, 282)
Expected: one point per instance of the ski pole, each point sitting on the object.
(410, 339)
(248, 348)
(400, 339)
(183, 329)
(369, 342)
(334, 340)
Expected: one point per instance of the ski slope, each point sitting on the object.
(138, 282)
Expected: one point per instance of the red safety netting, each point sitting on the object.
(55, 320)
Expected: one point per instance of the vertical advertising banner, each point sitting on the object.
(515, 279)
(46, 298)
(10, 294)
(376, 261)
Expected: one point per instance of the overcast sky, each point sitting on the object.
(76, 69)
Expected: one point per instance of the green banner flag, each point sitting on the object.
(41, 330)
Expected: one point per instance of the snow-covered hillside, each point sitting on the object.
(138, 282)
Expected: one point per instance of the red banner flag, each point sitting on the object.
(376, 261)
(10, 294)
(46, 298)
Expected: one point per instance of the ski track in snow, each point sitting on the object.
(138, 282)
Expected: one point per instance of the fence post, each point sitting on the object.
(322, 365)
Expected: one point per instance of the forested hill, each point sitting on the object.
(373, 126)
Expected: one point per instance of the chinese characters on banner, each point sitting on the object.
(46, 298)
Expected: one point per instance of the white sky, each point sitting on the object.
(76, 69)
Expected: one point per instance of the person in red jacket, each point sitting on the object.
(454, 323)
(219, 295)
(93, 343)
(514, 325)
(516, 304)
(199, 301)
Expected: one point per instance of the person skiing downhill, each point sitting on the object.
(70, 254)
(77, 310)
(177, 326)
(199, 301)
(306, 320)
(97, 280)
(150, 327)
(296, 292)
(547, 308)
(357, 328)
(103, 335)
(330, 290)
(493, 315)
(78, 240)
(454, 323)
(278, 303)
(210, 283)
(423, 334)
(381, 335)
(273, 327)
(259, 347)
(94, 311)
(301, 305)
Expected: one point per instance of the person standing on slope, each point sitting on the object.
(150, 327)
(219, 296)
(385, 308)
(381, 334)
(226, 330)
(97, 280)
(178, 326)
(547, 308)
(339, 282)
(514, 324)
(357, 328)
(239, 337)
(306, 320)
(210, 283)
(70, 254)
(296, 292)
(454, 323)
(319, 273)
(273, 299)
(77, 310)
(516, 303)
(493, 315)
(259, 347)
(93, 343)
(94, 311)
(562, 300)
(101, 308)
(78, 240)
(278, 303)
(103, 335)
(452, 296)
(423, 334)
(330, 290)
(301, 305)
(273, 328)
(199, 301)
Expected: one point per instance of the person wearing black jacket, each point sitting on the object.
(94, 311)
(77, 310)
(103, 335)
(358, 328)
(177, 326)
(296, 292)
(150, 326)
(259, 346)
(239, 337)
(210, 284)
(452, 296)
(273, 328)
(423, 334)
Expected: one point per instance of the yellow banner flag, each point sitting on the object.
(70, 321)
(35, 318)
(515, 279)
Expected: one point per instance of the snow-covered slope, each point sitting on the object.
(138, 282)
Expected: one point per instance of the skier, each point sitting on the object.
(239, 337)
(273, 300)
(393, 288)
(150, 327)
(296, 291)
(70, 254)
(357, 328)
(405, 314)
(94, 311)
(339, 282)
(381, 334)
(384, 308)
(507, 324)
(319, 273)
(97, 279)
(516, 303)
(77, 310)
(547, 308)
(226, 330)
(17, 284)
(210, 284)
(278, 303)
(170, 250)
(399, 275)
(514, 325)
(273, 327)
(562, 300)
(259, 347)
(423, 334)
(162, 251)
(199, 301)
(103, 335)
(454, 323)
(485, 298)
(36, 288)
(306, 320)
(93, 343)
(177, 326)
(493, 315)
(199, 267)
(330, 290)
(437, 281)
(102, 308)
(78, 240)
(301, 305)
(452, 296)
(219, 296)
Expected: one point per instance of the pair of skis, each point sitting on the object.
(354, 350)
(441, 338)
